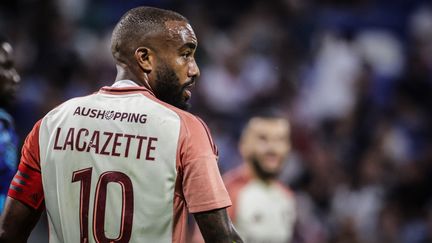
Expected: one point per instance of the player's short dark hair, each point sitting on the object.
(136, 24)
(269, 113)
(266, 114)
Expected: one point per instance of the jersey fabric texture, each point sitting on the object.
(8, 154)
(119, 166)
(261, 212)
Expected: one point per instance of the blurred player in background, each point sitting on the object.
(263, 209)
(125, 164)
(9, 80)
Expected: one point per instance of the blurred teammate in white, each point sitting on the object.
(263, 208)
(125, 164)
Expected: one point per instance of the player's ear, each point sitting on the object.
(144, 57)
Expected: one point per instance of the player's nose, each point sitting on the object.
(193, 70)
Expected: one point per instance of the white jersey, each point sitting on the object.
(262, 213)
(121, 166)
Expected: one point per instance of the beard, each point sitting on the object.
(260, 171)
(168, 88)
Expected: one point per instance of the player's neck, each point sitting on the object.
(124, 73)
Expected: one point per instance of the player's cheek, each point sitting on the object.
(281, 148)
(261, 149)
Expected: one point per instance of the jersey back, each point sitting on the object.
(119, 166)
(104, 154)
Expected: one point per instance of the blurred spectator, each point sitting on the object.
(9, 80)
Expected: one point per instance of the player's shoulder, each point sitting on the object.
(189, 121)
(193, 122)
(192, 127)
(285, 189)
(185, 116)
(68, 104)
(236, 177)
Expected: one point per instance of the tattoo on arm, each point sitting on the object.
(215, 226)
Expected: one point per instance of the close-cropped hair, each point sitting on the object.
(137, 24)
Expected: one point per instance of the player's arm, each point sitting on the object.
(17, 221)
(215, 226)
(203, 188)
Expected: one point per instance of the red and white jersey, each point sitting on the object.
(261, 212)
(119, 166)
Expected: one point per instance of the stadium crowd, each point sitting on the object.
(353, 77)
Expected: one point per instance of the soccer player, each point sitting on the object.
(263, 209)
(9, 80)
(126, 163)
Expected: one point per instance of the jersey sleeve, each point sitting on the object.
(203, 187)
(26, 185)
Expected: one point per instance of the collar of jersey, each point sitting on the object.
(125, 86)
(124, 83)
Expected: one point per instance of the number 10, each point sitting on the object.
(84, 176)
